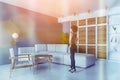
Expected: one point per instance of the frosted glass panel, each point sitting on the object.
(114, 37)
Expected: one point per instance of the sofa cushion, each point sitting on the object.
(40, 48)
(42, 52)
(61, 48)
(51, 47)
(26, 50)
(67, 59)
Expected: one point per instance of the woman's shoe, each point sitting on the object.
(72, 70)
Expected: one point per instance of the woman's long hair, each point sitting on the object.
(74, 28)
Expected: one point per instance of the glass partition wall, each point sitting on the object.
(114, 36)
(92, 36)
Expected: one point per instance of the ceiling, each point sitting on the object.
(58, 8)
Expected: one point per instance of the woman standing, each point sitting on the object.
(73, 47)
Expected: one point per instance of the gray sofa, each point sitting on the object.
(60, 54)
(82, 59)
(57, 50)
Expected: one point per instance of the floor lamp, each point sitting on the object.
(15, 37)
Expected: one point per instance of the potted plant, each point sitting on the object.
(65, 38)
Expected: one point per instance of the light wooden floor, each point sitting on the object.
(102, 70)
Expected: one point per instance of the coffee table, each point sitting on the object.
(40, 57)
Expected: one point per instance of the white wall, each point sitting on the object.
(66, 27)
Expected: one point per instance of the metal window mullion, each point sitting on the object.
(78, 36)
(96, 36)
(86, 35)
(107, 40)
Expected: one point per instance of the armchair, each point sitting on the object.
(19, 61)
